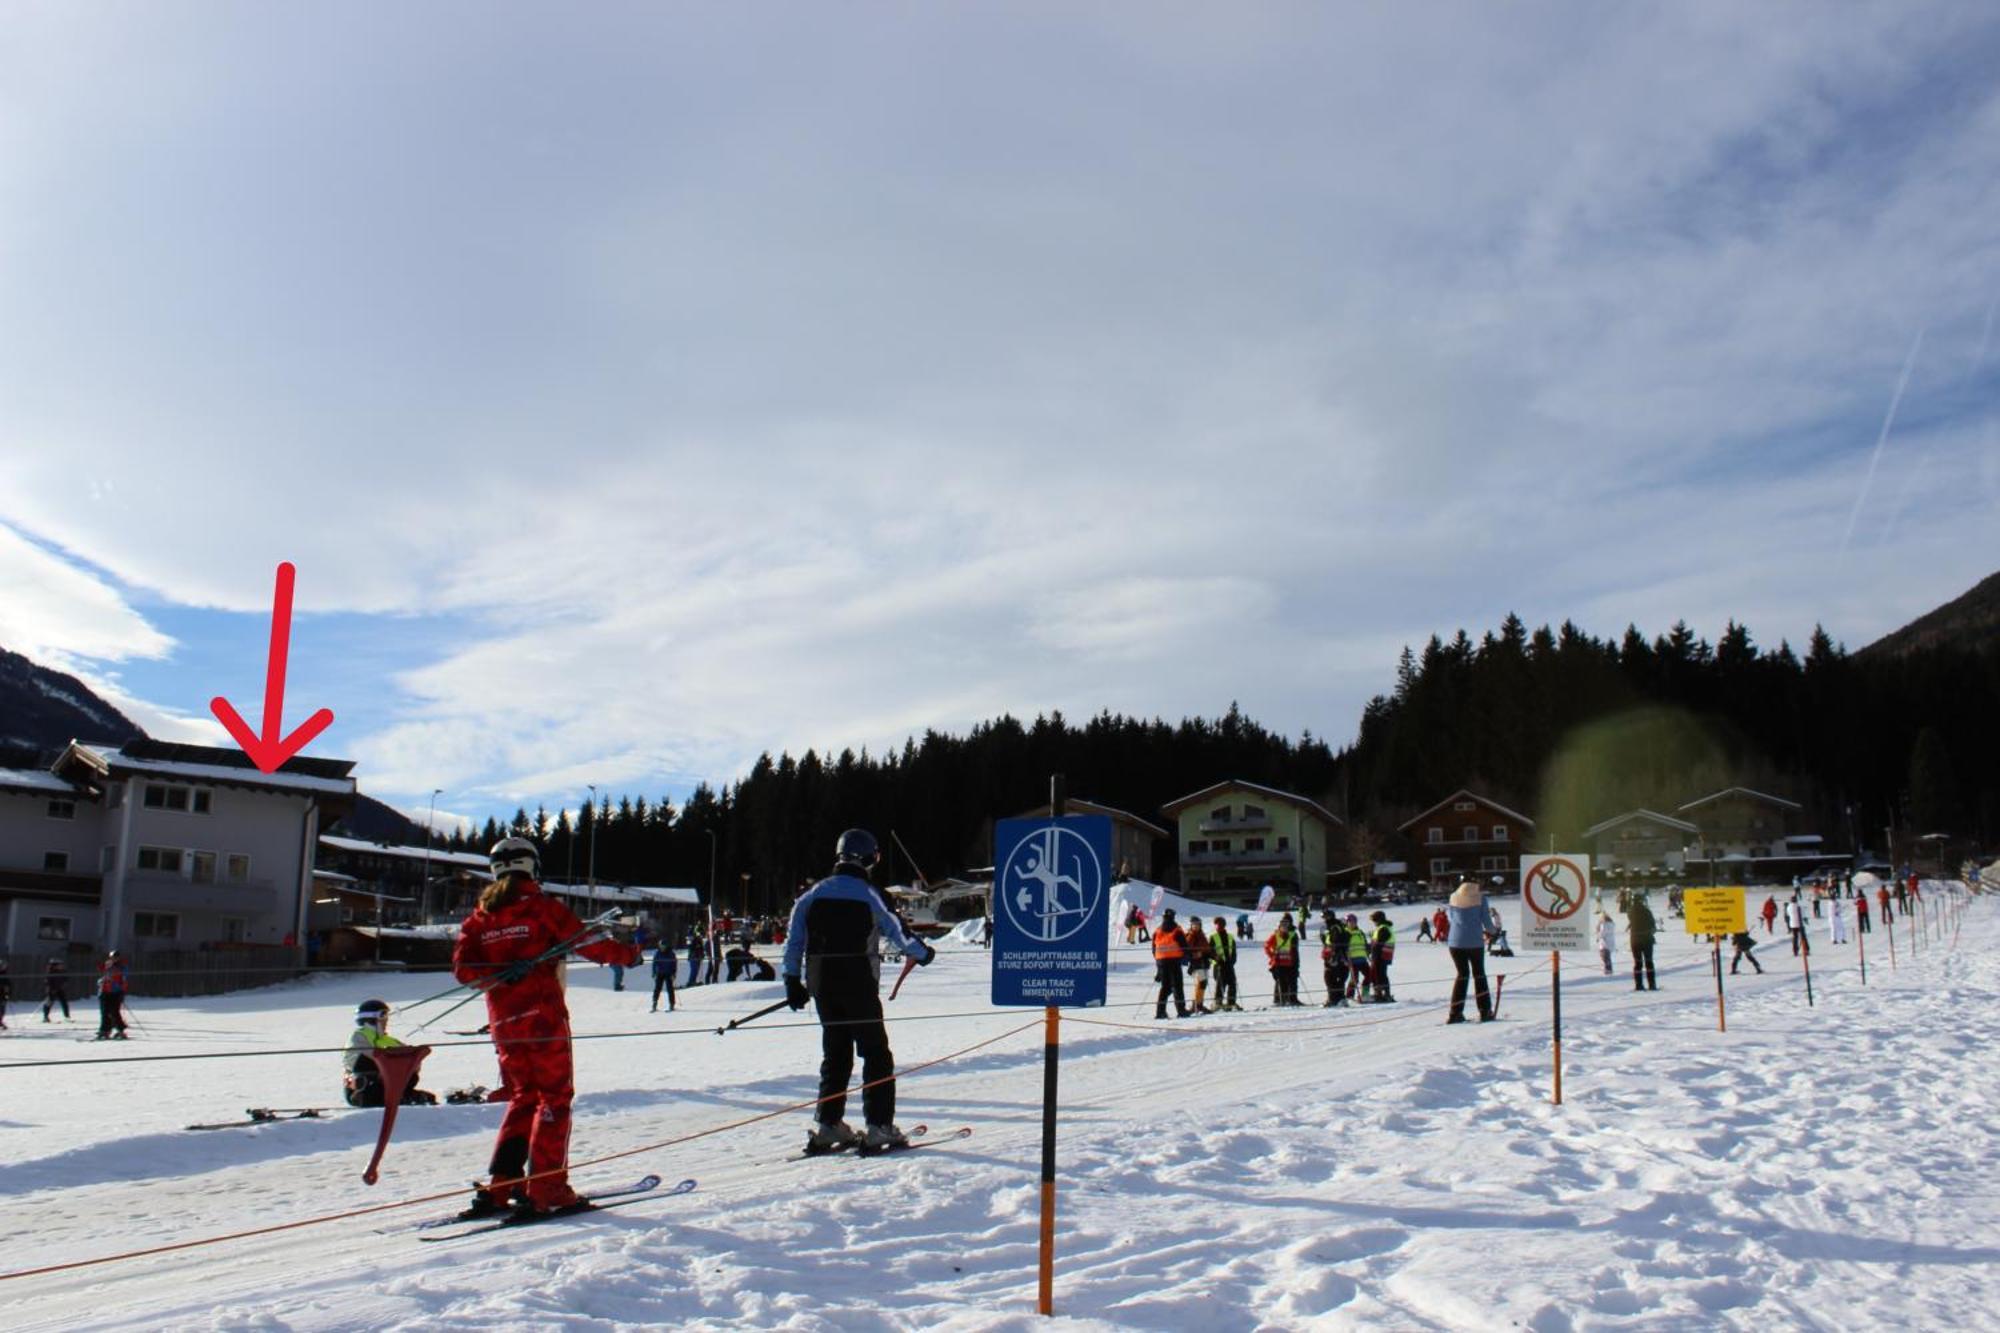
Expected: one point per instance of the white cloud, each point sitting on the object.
(751, 381)
(55, 611)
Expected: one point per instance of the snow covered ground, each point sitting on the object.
(1823, 1167)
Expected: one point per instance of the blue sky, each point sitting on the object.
(643, 387)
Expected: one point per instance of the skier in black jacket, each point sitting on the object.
(831, 958)
(1639, 922)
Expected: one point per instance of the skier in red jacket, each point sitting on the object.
(514, 924)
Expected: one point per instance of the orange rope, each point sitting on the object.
(275, 1228)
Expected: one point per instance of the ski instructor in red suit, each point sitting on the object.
(514, 924)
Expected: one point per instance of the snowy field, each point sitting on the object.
(1826, 1167)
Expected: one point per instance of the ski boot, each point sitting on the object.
(883, 1138)
(830, 1136)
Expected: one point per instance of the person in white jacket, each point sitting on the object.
(1839, 921)
(1607, 939)
(1795, 923)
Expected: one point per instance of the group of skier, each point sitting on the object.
(1354, 962)
(112, 981)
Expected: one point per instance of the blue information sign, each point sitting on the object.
(1051, 911)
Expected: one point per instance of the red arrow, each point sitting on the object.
(268, 751)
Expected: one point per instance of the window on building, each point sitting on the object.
(1253, 844)
(202, 867)
(1433, 835)
(1221, 812)
(235, 929)
(1284, 844)
(1499, 833)
(203, 799)
(1253, 812)
(1197, 847)
(107, 856)
(1220, 845)
(164, 859)
(1440, 865)
(52, 928)
(1470, 833)
(239, 867)
(156, 925)
(1462, 805)
(62, 809)
(55, 860)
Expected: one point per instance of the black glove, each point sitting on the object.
(796, 993)
(928, 954)
(512, 973)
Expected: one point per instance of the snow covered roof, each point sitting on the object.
(1078, 806)
(628, 893)
(1653, 815)
(1181, 803)
(1743, 791)
(436, 855)
(204, 763)
(36, 780)
(1470, 796)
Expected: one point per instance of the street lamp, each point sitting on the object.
(430, 826)
(711, 899)
(593, 847)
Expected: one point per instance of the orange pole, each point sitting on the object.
(1721, 1020)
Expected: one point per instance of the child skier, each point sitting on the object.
(1197, 965)
(111, 997)
(1222, 948)
(363, 1084)
(1333, 962)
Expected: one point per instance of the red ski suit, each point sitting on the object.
(530, 1022)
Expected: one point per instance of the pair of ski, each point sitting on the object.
(917, 1133)
(639, 1191)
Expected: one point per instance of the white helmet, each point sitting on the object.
(515, 856)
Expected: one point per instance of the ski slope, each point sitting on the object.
(1812, 1167)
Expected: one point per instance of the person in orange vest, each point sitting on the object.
(1169, 951)
(1281, 952)
(1197, 965)
(1882, 897)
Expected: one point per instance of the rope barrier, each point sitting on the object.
(373, 1208)
(479, 1041)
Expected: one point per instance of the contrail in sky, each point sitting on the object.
(1888, 423)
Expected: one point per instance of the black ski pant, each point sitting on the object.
(1225, 982)
(1471, 965)
(663, 981)
(1642, 967)
(56, 996)
(1170, 984)
(1334, 973)
(1742, 952)
(851, 1022)
(1861, 924)
(1798, 934)
(110, 1015)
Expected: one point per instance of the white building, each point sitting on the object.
(153, 844)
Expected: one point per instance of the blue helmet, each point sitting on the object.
(856, 847)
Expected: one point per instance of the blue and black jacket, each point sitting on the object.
(833, 940)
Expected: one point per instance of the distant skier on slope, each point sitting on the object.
(514, 924)
(1222, 947)
(1640, 928)
(111, 997)
(55, 990)
(832, 958)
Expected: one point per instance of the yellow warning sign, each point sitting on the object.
(1714, 911)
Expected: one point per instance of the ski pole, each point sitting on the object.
(735, 1023)
(482, 984)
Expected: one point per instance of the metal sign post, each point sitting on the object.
(1051, 947)
(1554, 888)
(1716, 912)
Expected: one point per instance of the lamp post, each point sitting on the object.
(711, 900)
(430, 826)
(593, 847)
